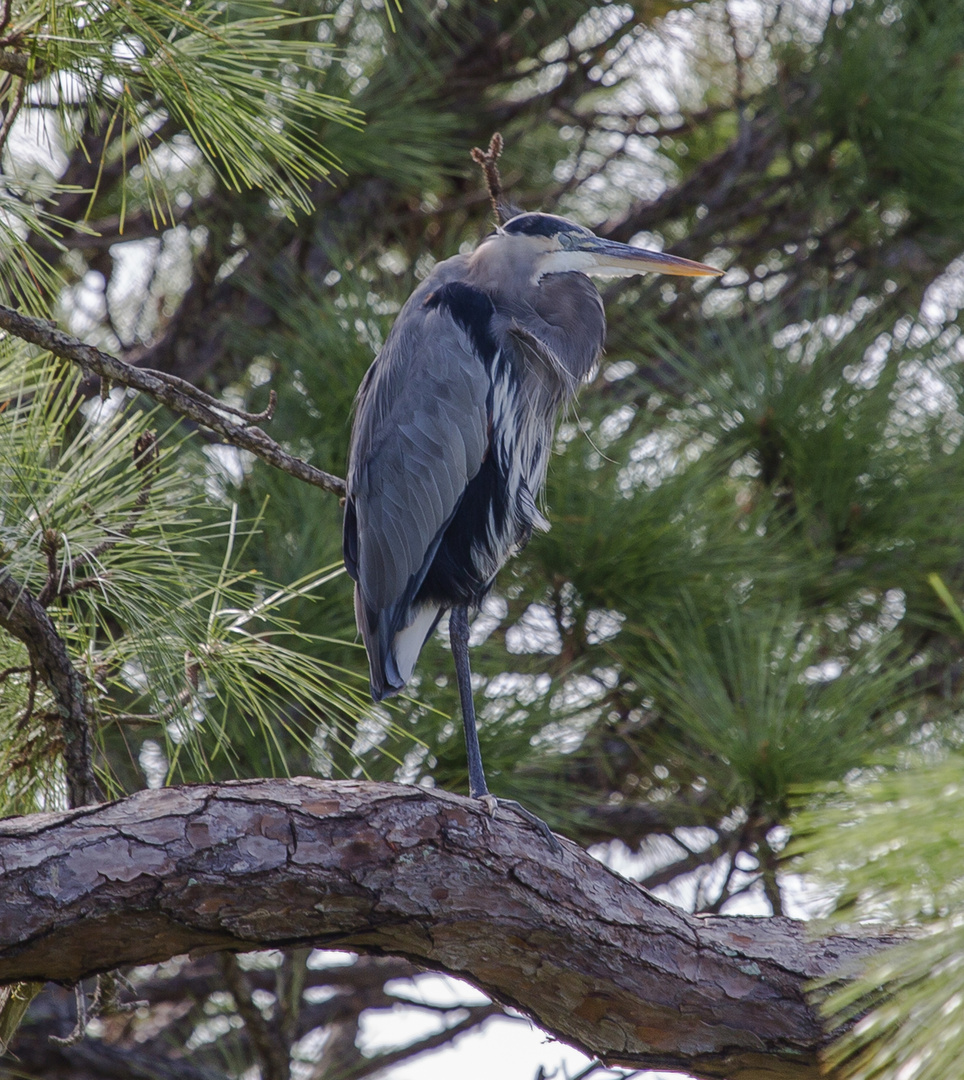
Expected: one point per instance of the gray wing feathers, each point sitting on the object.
(416, 473)
(420, 435)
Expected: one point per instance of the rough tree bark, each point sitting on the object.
(24, 618)
(388, 869)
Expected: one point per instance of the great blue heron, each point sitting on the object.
(453, 429)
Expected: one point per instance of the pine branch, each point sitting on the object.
(384, 868)
(63, 581)
(24, 618)
(177, 394)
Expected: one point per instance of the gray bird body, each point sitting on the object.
(452, 436)
(454, 427)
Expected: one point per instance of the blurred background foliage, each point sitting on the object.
(734, 618)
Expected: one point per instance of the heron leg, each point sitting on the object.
(459, 635)
(478, 789)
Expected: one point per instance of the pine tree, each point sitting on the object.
(746, 599)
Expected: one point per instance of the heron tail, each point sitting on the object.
(393, 650)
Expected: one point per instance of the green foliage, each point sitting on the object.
(178, 643)
(757, 704)
(891, 83)
(888, 846)
(821, 425)
(735, 604)
(236, 80)
(14, 1002)
(27, 275)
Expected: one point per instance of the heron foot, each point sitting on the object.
(492, 804)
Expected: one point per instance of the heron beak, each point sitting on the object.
(609, 259)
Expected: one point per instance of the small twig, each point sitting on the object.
(271, 1051)
(257, 417)
(145, 460)
(31, 700)
(50, 545)
(587, 1072)
(167, 713)
(768, 875)
(81, 584)
(19, 64)
(575, 180)
(477, 1015)
(736, 845)
(80, 1027)
(7, 672)
(177, 394)
(290, 980)
(5, 14)
(693, 860)
(12, 112)
(212, 402)
(106, 1002)
(431, 1006)
(487, 162)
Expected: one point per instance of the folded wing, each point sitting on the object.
(420, 436)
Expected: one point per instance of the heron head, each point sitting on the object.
(558, 246)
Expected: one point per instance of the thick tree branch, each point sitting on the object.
(175, 393)
(388, 869)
